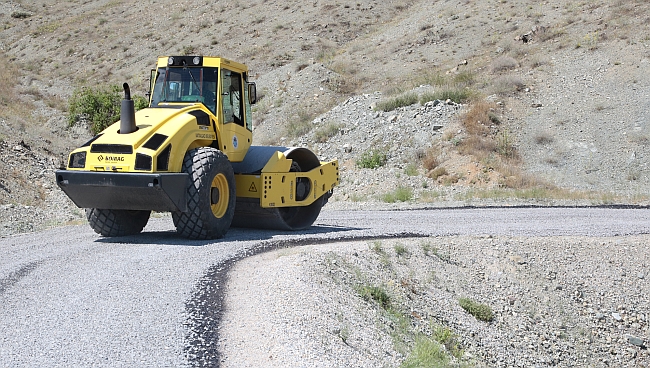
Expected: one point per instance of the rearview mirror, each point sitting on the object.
(252, 93)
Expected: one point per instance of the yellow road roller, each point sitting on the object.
(190, 153)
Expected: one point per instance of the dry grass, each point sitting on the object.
(396, 102)
(430, 159)
(503, 63)
(493, 148)
(8, 81)
(477, 119)
(344, 84)
(437, 172)
(544, 138)
(324, 133)
(507, 84)
(17, 110)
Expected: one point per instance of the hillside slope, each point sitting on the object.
(568, 82)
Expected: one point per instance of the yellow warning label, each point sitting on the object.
(252, 188)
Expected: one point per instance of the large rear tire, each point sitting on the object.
(117, 222)
(211, 195)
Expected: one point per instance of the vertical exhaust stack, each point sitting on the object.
(127, 112)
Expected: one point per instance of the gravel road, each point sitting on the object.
(71, 298)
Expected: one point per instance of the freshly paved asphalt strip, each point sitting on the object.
(71, 298)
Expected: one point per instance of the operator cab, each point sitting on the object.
(185, 83)
(194, 79)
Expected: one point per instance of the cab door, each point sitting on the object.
(236, 134)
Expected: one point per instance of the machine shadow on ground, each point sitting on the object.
(234, 235)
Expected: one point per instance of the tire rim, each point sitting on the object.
(219, 195)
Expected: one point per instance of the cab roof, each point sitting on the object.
(209, 61)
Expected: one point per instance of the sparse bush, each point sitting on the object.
(427, 353)
(478, 146)
(377, 294)
(323, 134)
(400, 194)
(400, 250)
(480, 311)
(426, 248)
(456, 94)
(477, 119)
(377, 247)
(546, 34)
(590, 41)
(437, 172)
(537, 60)
(503, 63)
(430, 160)
(344, 84)
(20, 15)
(300, 124)
(430, 195)
(434, 79)
(411, 170)
(188, 50)
(449, 339)
(100, 106)
(505, 146)
(464, 79)
(372, 159)
(506, 84)
(543, 138)
(391, 104)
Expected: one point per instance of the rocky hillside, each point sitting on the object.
(566, 85)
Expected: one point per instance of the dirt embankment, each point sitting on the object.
(556, 301)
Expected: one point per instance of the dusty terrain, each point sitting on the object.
(573, 100)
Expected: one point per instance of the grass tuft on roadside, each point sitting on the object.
(482, 312)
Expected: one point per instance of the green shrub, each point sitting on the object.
(372, 159)
(480, 311)
(505, 146)
(449, 339)
(323, 134)
(427, 353)
(301, 123)
(400, 250)
(411, 170)
(20, 15)
(101, 106)
(457, 95)
(377, 247)
(140, 102)
(391, 104)
(377, 294)
(400, 194)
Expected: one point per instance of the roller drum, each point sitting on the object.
(249, 213)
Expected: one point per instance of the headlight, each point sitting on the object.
(77, 160)
(143, 162)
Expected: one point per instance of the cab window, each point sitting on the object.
(231, 92)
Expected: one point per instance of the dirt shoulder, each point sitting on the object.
(561, 301)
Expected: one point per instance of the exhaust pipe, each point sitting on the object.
(127, 113)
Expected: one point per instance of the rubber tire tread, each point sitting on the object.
(198, 222)
(111, 223)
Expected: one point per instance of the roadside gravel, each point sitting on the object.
(557, 300)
